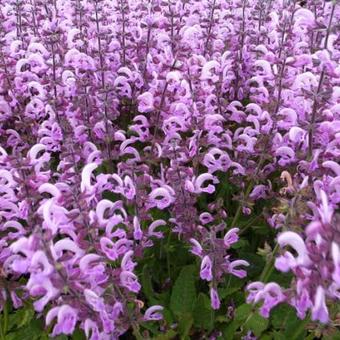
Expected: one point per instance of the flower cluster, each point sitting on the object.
(112, 112)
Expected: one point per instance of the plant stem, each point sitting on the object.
(312, 125)
(238, 211)
(5, 311)
(269, 267)
(168, 254)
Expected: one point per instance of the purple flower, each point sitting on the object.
(231, 237)
(271, 294)
(296, 242)
(232, 268)
(152, 313)
(130, 281)
(206, 268)
(319, 310)
(145, 102)
(66, 319)
(214, 298)
(161, 198)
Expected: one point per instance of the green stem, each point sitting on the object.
(248, 225)
(238, 211)
(2, 337)
(269, 267)
(136, 333)
(5, 326)
(168, 255)
(134, 324)
(302, 325)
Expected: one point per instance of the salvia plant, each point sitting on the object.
(169, 169)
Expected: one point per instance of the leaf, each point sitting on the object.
(243, 312)
(203, 313)
(61, 337)
(279, 336)
(232, 286)
(170, 334)
(229, 330)
(21, 317)
(185, 324)
(26, 318)
(280, 315)
(78, 335)
(257, 324)
(284, 317)
(184, 291)
(147, 286)
(33, 331)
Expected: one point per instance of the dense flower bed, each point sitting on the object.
(155, 152)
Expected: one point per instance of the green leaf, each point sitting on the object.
(279, 336)
(170, 334)
(243, 312)
(229, 330)
(21, 317)
(257, 324)
(232, 286)
(184, 291)
(203, 313)
(61, 337)
(147, 286)
(78, 335)
(33, 331)
(184, 326)
(284, 317)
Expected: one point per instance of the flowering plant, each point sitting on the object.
(169, 169)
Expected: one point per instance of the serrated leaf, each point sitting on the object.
(185, 324)
(284, 317)
(281, 314)
(33, 331)
(232, 286)
(203, 313)
(256, 323)
(184, 291)
(26, 317)
(242, 312)
(229, 330)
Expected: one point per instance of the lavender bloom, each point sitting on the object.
(206, 268)
(66, 319)
(152, 313)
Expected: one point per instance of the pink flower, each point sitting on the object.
(214, 298)
(67, 318)
(206, 268)
(319, 310)
(161, 198)
(232, 268)
(296, 242)
(130, 281)
(197, 248)
(86, 177)
(145, 102)
(152, 313)
(231, 237)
